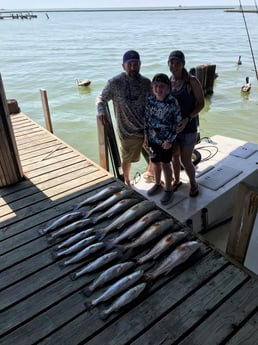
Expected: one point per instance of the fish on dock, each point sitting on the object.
(77, 225)
(85, 242)
(61, 221)
(108, 275)
(134, 212)
(176, 258)
(123, 300)
(95, 264)
(116, 288)
(154, 231)
(86, 252)
(117, 208)
(75, 238)
(110, 201)
(102, 194)
(138, 226)
(164, 244)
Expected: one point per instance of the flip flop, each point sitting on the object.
(175, 186)
(194, 191)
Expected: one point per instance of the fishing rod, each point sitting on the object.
(112, 145)
(249, 40)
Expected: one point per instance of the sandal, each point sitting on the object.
(194, 191)
(176, 185)
(148, 177)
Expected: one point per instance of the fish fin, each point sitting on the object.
(88, 305)
(62, 265)
(100, 234)
(73, 276)
(87, 292)
(50, 239)
(104, 315)
(148, 277)
(55, 255)
(121, 247)
(41, 231)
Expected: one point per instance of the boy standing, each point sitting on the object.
(161, 118)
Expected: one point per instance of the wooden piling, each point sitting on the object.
(10, 166)
(206, 75)
(103, 148)
(46, 111)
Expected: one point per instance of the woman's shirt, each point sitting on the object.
(186, 101)
(161, 119)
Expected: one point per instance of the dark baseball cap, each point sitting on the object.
(177, 54)
(161, 78)
(131, 55)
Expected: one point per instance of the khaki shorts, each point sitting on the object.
(131, 148)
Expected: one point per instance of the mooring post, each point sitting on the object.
(10, 166)
(46, 111)
(102, 140)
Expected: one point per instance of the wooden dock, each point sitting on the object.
(207, 301)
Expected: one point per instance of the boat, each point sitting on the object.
(247, 86)
(83, 83)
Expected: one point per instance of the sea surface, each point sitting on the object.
(52, 53)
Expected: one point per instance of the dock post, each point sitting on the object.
(10, 166)
(44, 100)
(206, 75)
(103, 150)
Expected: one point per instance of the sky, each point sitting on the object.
(37, 4)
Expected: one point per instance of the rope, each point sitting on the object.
(249, 40)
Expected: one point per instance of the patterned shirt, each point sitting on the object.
(129, 98)
(161, 119)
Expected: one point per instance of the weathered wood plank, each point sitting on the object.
(227, 318)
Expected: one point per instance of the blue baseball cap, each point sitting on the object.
(131, 55)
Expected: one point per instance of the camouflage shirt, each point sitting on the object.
(129, 98)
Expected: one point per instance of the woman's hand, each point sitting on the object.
(166, 145)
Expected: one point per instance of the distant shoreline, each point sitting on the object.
(121, 9)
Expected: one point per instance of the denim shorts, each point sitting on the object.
(187, 139)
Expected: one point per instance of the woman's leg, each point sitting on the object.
(176, 163)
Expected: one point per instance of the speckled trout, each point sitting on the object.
(90, 250)
(109, 274)
(85, 242)
(75, 238)
(117, 288)
(102, 194)
(138, 226)
(128, 216)
(61, 221)
(126, 298)
(95, 264)
(113, 199)
(75, 226)
(177, 257)
(117, 208)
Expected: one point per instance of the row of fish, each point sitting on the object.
(141, 223)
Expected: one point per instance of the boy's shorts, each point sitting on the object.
(131, 148)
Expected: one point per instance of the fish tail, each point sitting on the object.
(42, 231)
(62, 265)
(121, 247)
(51, 239)
(87, 292)
(73, 276)
(55, 255)
(100, 234)
(88, 305)
(149, 277)
(104, 315)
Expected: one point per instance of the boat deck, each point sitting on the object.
(208, 300)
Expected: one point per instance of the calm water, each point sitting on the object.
(52, 54)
